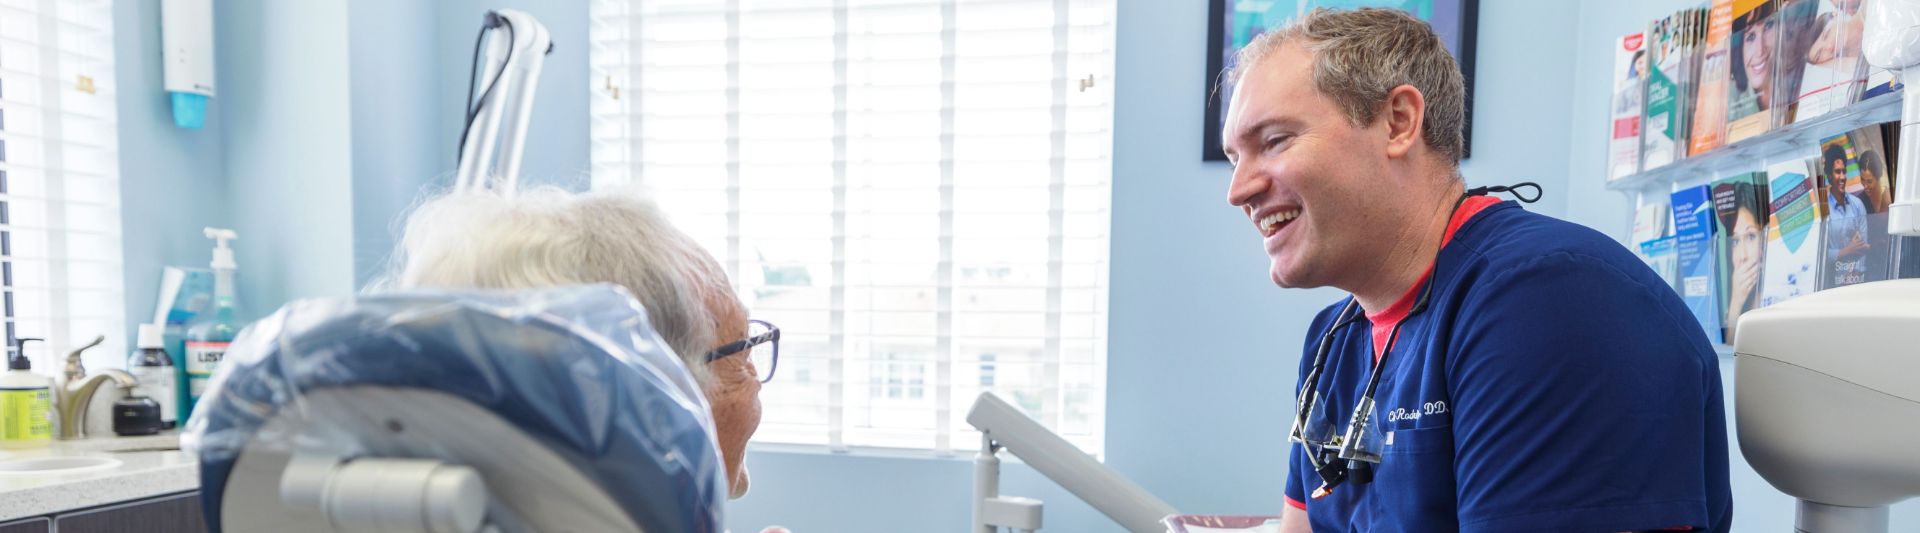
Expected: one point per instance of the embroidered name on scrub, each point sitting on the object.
(1427, 408)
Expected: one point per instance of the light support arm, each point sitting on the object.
(496, 126)
(1005, 426)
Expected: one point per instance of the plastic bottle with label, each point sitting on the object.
(26, 403)
(209, 334)
(153, 366)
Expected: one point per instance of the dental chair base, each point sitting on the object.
(311, 490)
(1811, 517)
(378, 494)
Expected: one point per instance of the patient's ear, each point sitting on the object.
(733, 390)
(734, 395)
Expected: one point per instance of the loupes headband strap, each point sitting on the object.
(1510, 189)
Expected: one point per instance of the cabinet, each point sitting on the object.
(173, 513)
(30, 525)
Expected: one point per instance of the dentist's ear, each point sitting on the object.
(1404, 116)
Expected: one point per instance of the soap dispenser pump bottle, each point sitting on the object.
(26, 402)
(209, 334)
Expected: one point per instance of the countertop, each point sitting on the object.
(149, 466)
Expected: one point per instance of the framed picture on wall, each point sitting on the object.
(1234, 23)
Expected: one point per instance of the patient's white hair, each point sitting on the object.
(548, 236)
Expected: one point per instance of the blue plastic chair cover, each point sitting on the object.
(580, 369)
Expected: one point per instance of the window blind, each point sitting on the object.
(915, 191)
(60, 243)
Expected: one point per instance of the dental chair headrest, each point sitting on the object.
(579, 370)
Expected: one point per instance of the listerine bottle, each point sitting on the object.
(209, 334)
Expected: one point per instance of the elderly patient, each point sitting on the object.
(550, 237)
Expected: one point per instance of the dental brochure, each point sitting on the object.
(1834, 72)
(1629, 69)
(1710, 97)
(1693, 36)
(1651, 238)
(1750, 96)
(1740, 211)
(1868, 179)
(1661, 256)
(1794, 32)
(1794, 227)
(1673, 53)
(1653, 220)
(1693, 219)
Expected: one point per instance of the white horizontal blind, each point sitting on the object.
(59, 179)
(915, 191)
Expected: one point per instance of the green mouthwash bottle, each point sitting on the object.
(209, 334)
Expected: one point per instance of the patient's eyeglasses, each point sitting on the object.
(758, 332)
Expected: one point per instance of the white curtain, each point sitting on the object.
(915, 191)
(59, 178)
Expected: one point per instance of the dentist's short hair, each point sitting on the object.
(1360, 55)
(548, 236)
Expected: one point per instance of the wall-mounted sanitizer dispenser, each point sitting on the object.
(186, 39)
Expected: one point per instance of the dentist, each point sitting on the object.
(1510, 371)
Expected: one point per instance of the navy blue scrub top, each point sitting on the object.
(1554, 383)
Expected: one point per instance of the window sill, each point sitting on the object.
(867, 452)
(874, 452)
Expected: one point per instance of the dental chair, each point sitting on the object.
(457, 412)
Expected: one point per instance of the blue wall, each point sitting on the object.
(168, 176)
(284, 80)
(397, 94)
(270, 161)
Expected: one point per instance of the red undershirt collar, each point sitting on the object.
(1384, 320)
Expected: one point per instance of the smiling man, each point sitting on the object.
(1513, 372)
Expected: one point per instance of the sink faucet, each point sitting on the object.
(73, 398)
(75, 370)
(76, 391)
